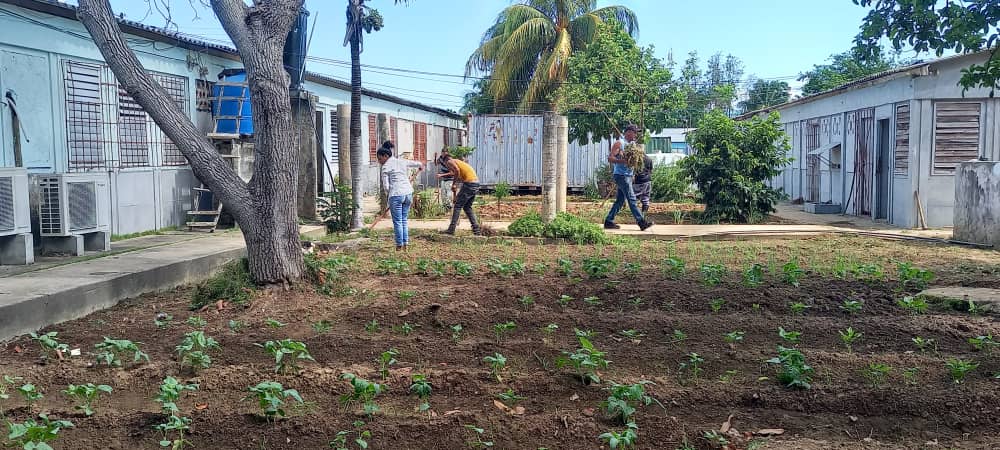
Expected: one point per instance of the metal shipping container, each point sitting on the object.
(509, 148)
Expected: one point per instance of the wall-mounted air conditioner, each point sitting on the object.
(73, 203)
(14, 210)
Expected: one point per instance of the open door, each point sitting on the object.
(883, 174)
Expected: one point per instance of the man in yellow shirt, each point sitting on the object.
(466, 175)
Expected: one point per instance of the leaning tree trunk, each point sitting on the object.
(357, 158)
(264, 209)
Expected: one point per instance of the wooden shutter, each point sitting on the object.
(392, 132)
(956, 134)
(902, 150)
(419, 141)
(334, 137)
(372, 138)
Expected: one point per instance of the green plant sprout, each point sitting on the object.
(632, 334)
(717, 304)
(163, 320)
(791, 336)
(339, 441)
(385, 360)
(924, 343)
(712, 274)
(852, 306)
(959, 368)
(793, 372)
(86, 395)
(540, 268)
(586, 361)
(631, 270)
(877, 374)
(422, 388)
(196, 322)
(636, 302)
(973, 308)
(274, 323)
(30, 393)
(792, 273)
(849, 337)
(673, 267)
(406, 328)
(910, 375)
(287, 353)
(193, 350)
(564, 300)
(406, 296)
(621, 440)
(462, 268)
(564, 266)
(527, 302)
(678, 336)
(589, 334)
(236, 326)
(477, 438)
(985, 343)
(501, 329)
(170, 392)
(625, 399)
(509, 397)
(50, 344)
(6, 383)
(692, 365)
(456, 331)
(372, 326)
(497, 363)
(178, 425)
(110, 352)
(911, 277)
(390, 266)
(270, 397)
(728, 376)
(35, 435)
(753, 276)
(913, 305)
(598, 267)
(322, 326)
(362, 391)
(550, 328)
(734, 337)
(798, 308)
(870, 273)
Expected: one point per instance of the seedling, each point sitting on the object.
(386, 360)
(625, 399)
(30, 393)
(174, 424)
(86, 395)
(509, 397)
(456, 332)
(877, 374)
(959, 368)
(712, 274)
(717, 304)
(323, 326)
(587, 334)
(794, 372)
(50, 343)
(632, 334)
(984, 343)
(422, 388)
(564, 267)
(497, 363)
(716, 439)
(431, 268)
(910, 375)
(636, 302)
(734, 337)
(406, 296)
(163, 320)
(362, 391)
(406, 328)
(621, 440)
(193, 350)
(274, 323)
(839, 269)
(693, 365)
(631, 270)
(586, 360)
(7, 382)
(287, 353)
(678, 336)
(477, 438)
(196, 322)
(974, 308)
(32, 435)
(550, 328)
(592, 301)
(849, 336)
(170, 392)
(339, 442)
(500, 329)
(911, 277)
(790, 336)
(923, 344)
(598, 267)
(387, 266)
(792, 273)
(564, 300)
(236, 326)
(462, 268)
(914, 305)
(852, 306)
(798, 308)
(673, 267)
(871, 273)
(727, 376)
(271, 398)
(527, 302)
(540, 268)
(372, 326)
(110, 352)
(753, 276)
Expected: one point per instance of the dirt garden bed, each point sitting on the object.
(595, 211)
(637, 320)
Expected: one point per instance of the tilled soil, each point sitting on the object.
(841, 410)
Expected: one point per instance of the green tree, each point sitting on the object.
(764, 93)
(612, 82)
(526, 51)
(844, 68)
(477, 100)
(732, 163)
(709, 89)
(933, 26)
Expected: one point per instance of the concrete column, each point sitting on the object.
(562, 155)
(977, 202)
(550, 144)
(304, 120)
(17, 250)
(344, 143)
(382, 127)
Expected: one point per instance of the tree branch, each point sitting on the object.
(233, 15)
(207, 164)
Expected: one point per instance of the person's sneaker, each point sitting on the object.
(645, 224)
(645, 208)
(611, 226)
(450, 232)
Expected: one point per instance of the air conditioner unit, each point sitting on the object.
(73, 203)
(14, 209)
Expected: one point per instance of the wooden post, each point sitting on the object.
(562, 154)
(344, 143)
(550, 143)
(382, 127)
(303, 108)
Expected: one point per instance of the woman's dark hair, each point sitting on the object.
(386, 152)
(388, 145)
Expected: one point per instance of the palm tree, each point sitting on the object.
(526, 51)
(361, 19)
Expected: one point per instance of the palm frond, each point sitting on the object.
(528, 40)
(583, 29)
(623, 15)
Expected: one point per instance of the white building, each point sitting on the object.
(886, 146)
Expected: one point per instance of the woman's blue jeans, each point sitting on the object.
(399, 207)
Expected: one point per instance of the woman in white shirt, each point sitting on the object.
(396, 180)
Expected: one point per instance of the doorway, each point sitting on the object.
(883, 174)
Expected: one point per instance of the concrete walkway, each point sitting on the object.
(796, 213)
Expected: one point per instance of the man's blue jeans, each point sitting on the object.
(399, 207)
(625, 193)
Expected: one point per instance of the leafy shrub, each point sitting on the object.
(669, 184)
(425, 205)
(568, 226)
(232, 284)
(501, 191)
(733, 162)
(528, 225)
(794, 371)
(336, 208)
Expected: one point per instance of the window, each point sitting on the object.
(372, 137)
(85, 133)
(902, 149)
(177, 89)
(419, 141)
(956, 134)
(133, 133)
(203, 92)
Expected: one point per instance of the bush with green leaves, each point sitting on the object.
(391, 266)
(271, 396)
(86, 395)
(586, 361)
(193, 350)
(622, 439)
(336, 208)
(753, 275)
(673, 267)
(625, 399)
(793, 371)
(422, 388)
(598, 267)
(914, 277)
(792, 272)
(363, 392)
(733, 163)
(668, 184)
(30, 393)
(575, 229)
(712, 274)
(35, 435)
(170, 392)
(232, 284)
(914, 305)
(111, 351)
(287, 353)
(959, 368)
(49, 342)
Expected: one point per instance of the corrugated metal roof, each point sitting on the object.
(68, 11)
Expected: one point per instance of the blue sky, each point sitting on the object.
(774, 38)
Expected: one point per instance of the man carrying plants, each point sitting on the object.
(464, 174)
(399, 190)
(625, 158)
(643, 182)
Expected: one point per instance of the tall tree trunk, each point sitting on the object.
(264, 208)
(357, 157)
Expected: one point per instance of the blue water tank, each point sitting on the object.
(231, 103)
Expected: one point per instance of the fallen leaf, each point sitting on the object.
(574, 398)
(589, 412)
(770, 432)
(18, 349)
(404, 313)
(221, 304)
(501, 406)
(518, 411)
(454, 411)
(727, 424)
(201, 406)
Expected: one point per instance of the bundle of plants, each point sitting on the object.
(634, 155)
